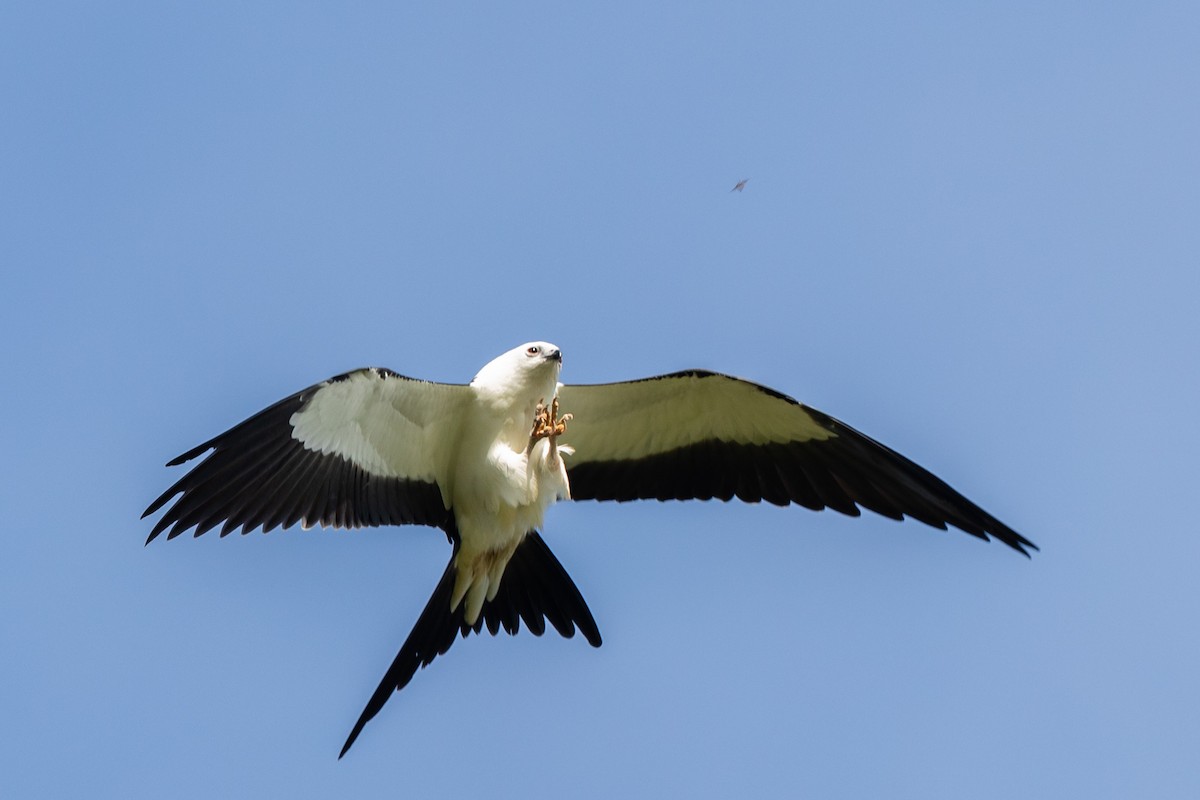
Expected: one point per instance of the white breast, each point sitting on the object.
(500, 493)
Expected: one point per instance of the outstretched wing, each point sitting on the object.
(365, 448)
(703, 435)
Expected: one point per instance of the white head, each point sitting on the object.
(528, 373)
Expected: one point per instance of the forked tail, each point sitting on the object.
(535, 588)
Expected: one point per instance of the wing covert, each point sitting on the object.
(704, 435)
(364, 448)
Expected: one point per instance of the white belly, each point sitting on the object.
(495, 508)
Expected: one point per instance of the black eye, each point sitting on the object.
(533, 351)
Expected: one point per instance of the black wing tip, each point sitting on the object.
(161, 501)
(198, 450)
(1021, 545)
(159, 526)
(992, 529)
(986, 527)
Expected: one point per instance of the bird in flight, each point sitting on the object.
(740, 185)
(484, 461)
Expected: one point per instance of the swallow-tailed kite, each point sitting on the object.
(484, 461)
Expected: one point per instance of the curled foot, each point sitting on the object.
(547, 424)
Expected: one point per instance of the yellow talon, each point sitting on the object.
(547, 424)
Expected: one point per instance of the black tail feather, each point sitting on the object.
(535, 588)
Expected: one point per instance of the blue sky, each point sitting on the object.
(970, 232)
